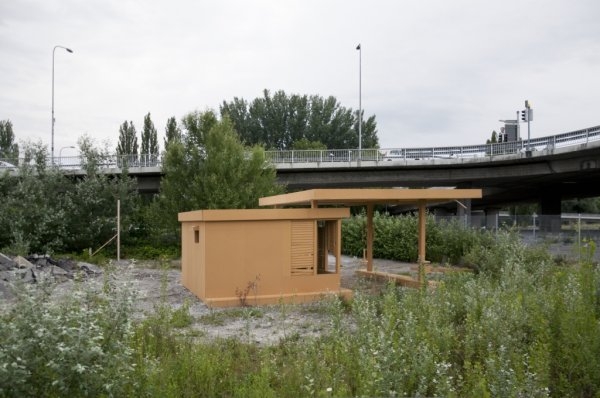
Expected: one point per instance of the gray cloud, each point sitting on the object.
(433, 72)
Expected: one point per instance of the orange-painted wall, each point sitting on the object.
(232, 253)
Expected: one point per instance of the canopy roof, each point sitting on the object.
(369, 198)
(353, 197)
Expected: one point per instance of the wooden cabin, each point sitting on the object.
(262, 256)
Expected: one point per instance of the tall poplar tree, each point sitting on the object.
(8, 148)
(172, 132)
(127, 147)
(149, 140)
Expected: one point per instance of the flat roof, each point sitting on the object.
(263, 214)
(351, 197)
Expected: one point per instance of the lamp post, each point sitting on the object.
(359, 102)
(52, 142)
(60, 153)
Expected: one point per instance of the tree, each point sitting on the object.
(172, 132)
(149, 141)
(328, 123)
(278, 121)
(581, 205)
(210, 168)
(304, 144)
(32, 216)
(494, 138)
(369, 131)
(8, 148)
(91, 203)
(127, 148)
(197, 124)
(44, 211)
(231, 177)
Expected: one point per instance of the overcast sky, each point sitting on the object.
(434, 72)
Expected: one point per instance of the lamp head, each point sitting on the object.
(69, 50)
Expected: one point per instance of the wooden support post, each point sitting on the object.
(422, 229)
(370, 237)
(422, 239)
(338, 246)
(118, 229)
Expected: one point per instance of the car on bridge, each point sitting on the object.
(6, 165)
(409, 153)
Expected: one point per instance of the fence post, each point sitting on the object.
(118, 229)
(579, 236)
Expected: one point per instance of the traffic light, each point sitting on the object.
(524, 115)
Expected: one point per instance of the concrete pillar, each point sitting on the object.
(463, 210)
(491, 218)
(550, 209)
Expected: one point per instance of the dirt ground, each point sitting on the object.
(265, 325)
(154, 285)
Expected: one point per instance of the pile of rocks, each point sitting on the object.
(36, 268)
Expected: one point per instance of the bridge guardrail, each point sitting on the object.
(351, 157)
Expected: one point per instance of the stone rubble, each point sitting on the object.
(37, 268)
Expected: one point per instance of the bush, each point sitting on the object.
(396, 238)
(71, 345)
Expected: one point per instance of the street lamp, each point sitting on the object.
(359, 102)
(60, 152)
(52, 142)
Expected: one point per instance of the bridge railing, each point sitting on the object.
(323, 158)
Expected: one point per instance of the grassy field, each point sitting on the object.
(520, 326)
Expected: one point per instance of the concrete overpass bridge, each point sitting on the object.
(553, 169)
(543, 170)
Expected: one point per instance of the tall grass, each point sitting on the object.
(522, 326)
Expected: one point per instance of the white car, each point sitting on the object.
(6, 165)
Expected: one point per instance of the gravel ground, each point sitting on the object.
(266, 324)
(155, 286)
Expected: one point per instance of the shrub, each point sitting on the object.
(71, 345)
(396, 238)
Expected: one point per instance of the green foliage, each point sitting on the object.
(584, 205)
(397, 238)
(77, 345)
(30, 210)
(304, 144)
(151, 252)
(9, 149)
(525, 328)
(211, 169)
(280, 121)
(149, 138)
(533, 331)
(43, 211)
(93, 203)
(172, 132)
(128, 144)
(494, 138)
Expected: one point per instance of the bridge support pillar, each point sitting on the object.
(463, 210)
(491, 218)
(550, 209)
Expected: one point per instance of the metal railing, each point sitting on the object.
(354, 157)
(571, 234)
